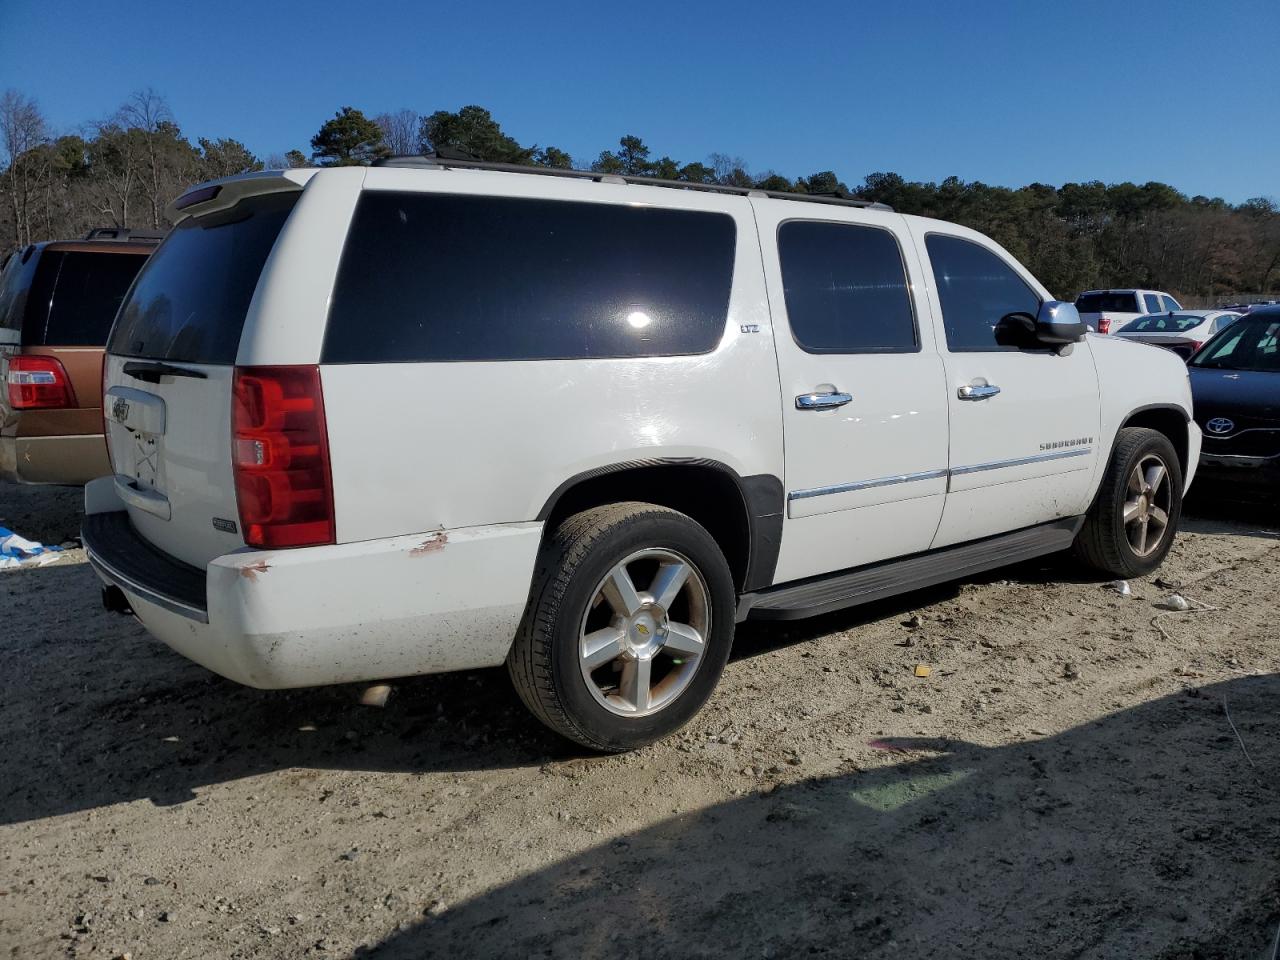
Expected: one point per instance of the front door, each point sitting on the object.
(1024, 422)
(864, 407)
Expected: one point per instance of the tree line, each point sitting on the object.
(124, 169)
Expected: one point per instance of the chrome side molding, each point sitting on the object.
(936, 474)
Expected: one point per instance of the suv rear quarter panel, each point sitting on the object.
(416, 446)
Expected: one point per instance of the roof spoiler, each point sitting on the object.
(227, 192)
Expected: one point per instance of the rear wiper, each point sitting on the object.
(150, 371)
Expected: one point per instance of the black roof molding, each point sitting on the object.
(438, 162)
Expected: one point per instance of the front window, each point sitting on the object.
(976, 288)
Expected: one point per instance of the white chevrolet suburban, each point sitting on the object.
(431, 416)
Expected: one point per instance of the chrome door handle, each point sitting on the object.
(977, 392)
(822, 401)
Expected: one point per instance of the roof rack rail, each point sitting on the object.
(124, 233)
(442, 163)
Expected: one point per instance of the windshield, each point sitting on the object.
(1107, 303)
(190, 301)
(1248, 344)
(1163, 323)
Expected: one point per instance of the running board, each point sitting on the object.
(848, 588)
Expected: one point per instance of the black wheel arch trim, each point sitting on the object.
(1181, 445)
(763, 500)
(1186, 415)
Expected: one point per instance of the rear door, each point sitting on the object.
(863, 392)
(169, 375)
(1024, 422)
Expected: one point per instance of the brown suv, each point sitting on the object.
(57, 302)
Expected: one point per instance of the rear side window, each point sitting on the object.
(189, 303)
(75, 296)
(1107, 303)
(846, 288)
(976, 288)
(440, 277)
(1152, 303)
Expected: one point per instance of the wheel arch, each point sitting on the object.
(1168, 419)
(743, 514)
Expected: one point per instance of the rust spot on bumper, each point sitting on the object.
(250, 571)
(433, 543)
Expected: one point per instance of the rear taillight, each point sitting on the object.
(39, 383)
(1104, 324)
(280, 456)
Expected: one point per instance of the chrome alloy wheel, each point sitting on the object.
(640, 648)
(1148, 499)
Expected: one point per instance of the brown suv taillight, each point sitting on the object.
(280, 457)
(39, 383)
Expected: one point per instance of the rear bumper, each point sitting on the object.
(335, 614)
(72, 460)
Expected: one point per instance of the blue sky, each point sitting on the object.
(1000, 91)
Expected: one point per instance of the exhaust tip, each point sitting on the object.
(114, 600)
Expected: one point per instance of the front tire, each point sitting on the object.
(1132, 523)
(628, 628)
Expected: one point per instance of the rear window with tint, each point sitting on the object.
(75, 296)
(440, 277)
(189, 303)
(1108, 303)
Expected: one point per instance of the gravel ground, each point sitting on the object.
(1065, 783)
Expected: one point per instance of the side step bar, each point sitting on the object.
(848, 588)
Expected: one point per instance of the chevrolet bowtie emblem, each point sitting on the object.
(642, 629)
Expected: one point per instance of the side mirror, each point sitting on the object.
(1059, 323)
(1017, 330)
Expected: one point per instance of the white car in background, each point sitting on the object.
(1108, 310)
(1184, 333)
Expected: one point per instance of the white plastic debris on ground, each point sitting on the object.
(19, 551)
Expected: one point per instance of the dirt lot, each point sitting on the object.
(1066, 783)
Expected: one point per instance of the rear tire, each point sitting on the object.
(1133, 520)
(628, 628)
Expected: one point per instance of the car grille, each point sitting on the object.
(1244, 442)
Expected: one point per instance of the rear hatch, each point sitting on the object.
(170, 371)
